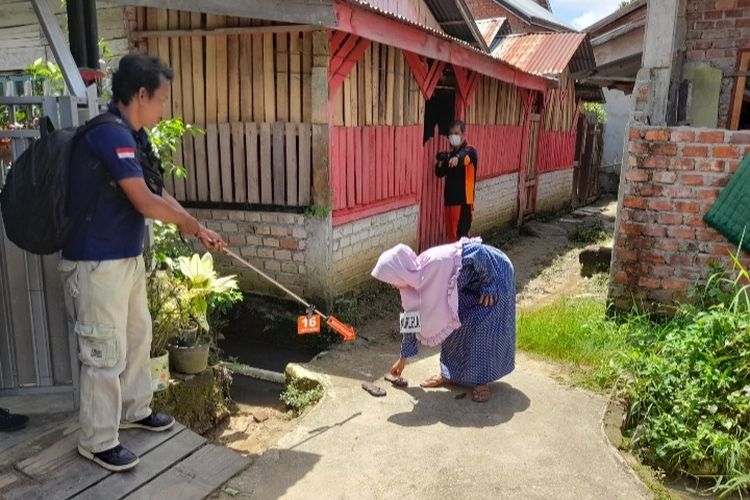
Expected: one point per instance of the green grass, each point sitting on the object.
(572, 331)
(589, 234)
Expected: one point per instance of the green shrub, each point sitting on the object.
(687, 384)
(298, 399)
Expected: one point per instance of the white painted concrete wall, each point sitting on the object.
(618, 107)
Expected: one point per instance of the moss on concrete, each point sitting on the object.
(303, 388)
(199, 402)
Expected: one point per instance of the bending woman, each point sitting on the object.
(465, 293)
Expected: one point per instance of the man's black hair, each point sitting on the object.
(459, 125)
(138, 71)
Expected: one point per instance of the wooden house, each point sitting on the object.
(323, 117)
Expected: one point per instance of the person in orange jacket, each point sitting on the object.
(459, 168)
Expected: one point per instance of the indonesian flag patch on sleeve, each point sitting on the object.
(123, 153)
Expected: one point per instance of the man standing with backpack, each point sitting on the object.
(115, 182)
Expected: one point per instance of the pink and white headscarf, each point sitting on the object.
(432, 281)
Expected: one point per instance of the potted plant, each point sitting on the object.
(189, 349)
(166, 317)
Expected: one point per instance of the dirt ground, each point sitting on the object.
(546, 263)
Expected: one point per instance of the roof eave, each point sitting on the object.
(554, 26)
(466, 14)
(616, 15)
(378, 26)
(535, 20)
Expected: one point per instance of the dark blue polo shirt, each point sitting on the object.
(112, 228)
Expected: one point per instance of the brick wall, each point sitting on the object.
(717, 30)
(275, 242)
(671, 177)
(555, 191)
(357, 245)
(496, 203)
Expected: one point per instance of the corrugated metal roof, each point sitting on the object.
(547, 54)
(440, 34)
(433, 31)
(490, 28)
(494, 30)
(590, 93)
(404, 9)
(455, 18)
(535, 13)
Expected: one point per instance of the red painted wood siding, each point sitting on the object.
(556, 150)
(374, 167)
(498, 148)
(432, 210)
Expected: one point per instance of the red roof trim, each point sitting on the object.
(400, 33)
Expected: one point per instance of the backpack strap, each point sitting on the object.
(152, 171)
(101, 119)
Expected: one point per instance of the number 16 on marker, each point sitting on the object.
(308, 325)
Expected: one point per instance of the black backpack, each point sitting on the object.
(34, 199)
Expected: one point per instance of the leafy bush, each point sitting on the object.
(42, 71)
(597, 110)
(298, 399)
(165, 138)
(183, 287)
(687, 384)
(168, 244)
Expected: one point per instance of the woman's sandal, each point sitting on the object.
(396, 381)
(434, 382)
(373, 389)
(480, 394)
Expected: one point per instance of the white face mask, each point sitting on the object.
(455, 140)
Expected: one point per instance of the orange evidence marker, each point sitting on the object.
(308, 325)
(344, 330)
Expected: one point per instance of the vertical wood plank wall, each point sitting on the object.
(495, 127)
(251, 93)
(376, 134)
(557, 136)
(494, 118)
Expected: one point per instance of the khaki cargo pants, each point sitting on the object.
(108, 311)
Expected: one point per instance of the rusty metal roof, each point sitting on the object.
(548, 54)
(452, 17)
(440, 34)
(405, 10)
(534, 13)
(493, 29)
(455, 19)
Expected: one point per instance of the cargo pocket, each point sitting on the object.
(69, 272)
(97, 346)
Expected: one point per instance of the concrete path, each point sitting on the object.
(536, 439)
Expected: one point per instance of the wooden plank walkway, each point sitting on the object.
(174, 464)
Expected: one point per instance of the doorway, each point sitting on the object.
(439, 114)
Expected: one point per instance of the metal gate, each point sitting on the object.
(36, 351)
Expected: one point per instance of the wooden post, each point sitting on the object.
(321, 190)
